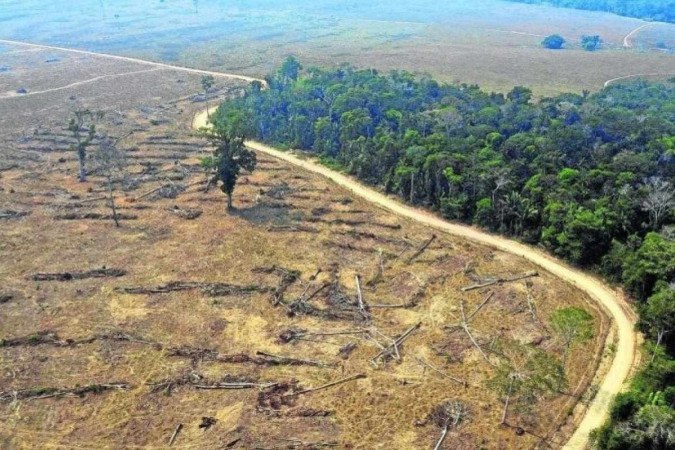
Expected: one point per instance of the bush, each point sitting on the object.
(591, 43)
(553, 42)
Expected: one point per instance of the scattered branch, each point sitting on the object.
(500, 281)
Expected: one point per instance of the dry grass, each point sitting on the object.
(380, 411)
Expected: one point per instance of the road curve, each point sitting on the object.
(134, 60)
(621, 313)
(626, 77)
(627, 43)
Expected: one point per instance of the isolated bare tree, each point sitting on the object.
(111, 163)
(83, 127)
(660, 200)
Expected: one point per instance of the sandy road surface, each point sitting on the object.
(637, 75)
(132, 60)
(627, 43)
(620, 312)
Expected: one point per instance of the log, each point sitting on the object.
(500, 281)
(421, 249)
(359, 295)
(397, 342)
(487, 299)
(426, 364)
(326, 386)
(175, 434)
(152, 191)
(442, 438)
(284, 360)
(238, 385)
(468, 332)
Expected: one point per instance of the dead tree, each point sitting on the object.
(111, 162)
(83, 128)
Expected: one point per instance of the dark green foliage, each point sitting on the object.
(661, 10)
(553, 42)
(230, 156)
(591, 43)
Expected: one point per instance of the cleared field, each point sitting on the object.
(195, 300)
(492, 43)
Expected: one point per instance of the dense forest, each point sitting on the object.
(588, 177)
(659, 10)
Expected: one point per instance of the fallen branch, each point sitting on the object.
(210, 289)
(42, 393)
(393, 348)
(421, 249)
(487, 299)
(235, 385)
(284, 360)
(359, 296)
(152, 191)
(426, 364)
(326, 386)
(69, 276)
(500, 281)
(465, 326)
(175, 434)
(530, 301)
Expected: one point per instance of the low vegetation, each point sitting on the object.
(553, 42)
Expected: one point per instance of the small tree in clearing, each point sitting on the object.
(527, 375)
(83, 127)
(573, 325)
(591, 43)
(230, 156)
(111, 163)
(553, 42)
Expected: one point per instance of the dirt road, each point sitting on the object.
(133, 60)
(618, 310)
(637, 75)
(627, 43)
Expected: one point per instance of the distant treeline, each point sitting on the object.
(659, 10)
(588, 176)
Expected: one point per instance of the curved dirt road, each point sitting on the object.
(620, 312)
(608, 82)
(627, 43)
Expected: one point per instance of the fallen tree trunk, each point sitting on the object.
(42, 393)
(69, 276)
(421, 249)
(326, 386)
(393, 348)
(210, 289)
(500, 280)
